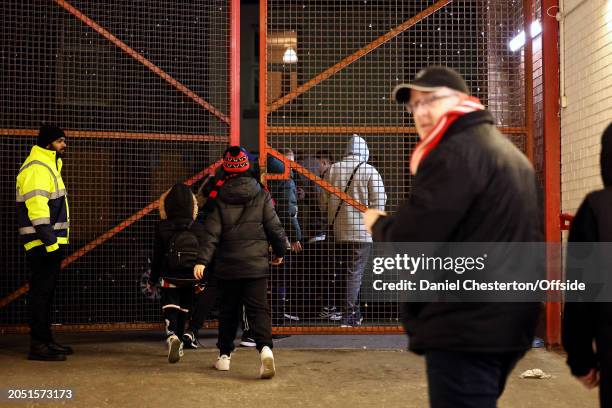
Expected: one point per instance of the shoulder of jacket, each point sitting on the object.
(263, 195)
(36, 168)
(594, 197)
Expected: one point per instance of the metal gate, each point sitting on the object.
(147, 91)
(143, 90)
(328, 70)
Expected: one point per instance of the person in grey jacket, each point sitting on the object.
(367, 187)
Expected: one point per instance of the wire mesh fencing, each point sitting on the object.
(330, 68)
(141, 88)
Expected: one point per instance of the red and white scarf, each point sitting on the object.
(425, 146)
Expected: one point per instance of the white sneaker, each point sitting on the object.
(267, 369)
(223, 362)
(175, 346)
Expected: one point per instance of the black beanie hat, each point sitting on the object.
(179, 202)
(48, 134)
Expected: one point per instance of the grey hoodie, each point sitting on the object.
(367, 187)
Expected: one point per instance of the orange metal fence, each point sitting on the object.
(144, 96)
(151, 96)
(326, 72)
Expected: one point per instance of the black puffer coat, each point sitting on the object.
(584, 322)
(475, 186)
(240, 229)
(177, 209)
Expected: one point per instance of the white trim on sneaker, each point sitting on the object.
(247, 342)
(289, 316)
(267, 369)
(175, 346)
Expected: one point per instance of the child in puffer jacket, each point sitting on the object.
(178, 261)
(240, 228)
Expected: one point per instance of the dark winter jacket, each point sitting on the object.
(177, 210)
(475, 186)
(312, 219)
(584, 322)
(284, 193)
(240, 228)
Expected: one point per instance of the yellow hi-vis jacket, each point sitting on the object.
(42, 202)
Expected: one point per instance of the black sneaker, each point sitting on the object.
(60, 349)
(327, 311)
(190, 341)
(42, 352)
(247, 342)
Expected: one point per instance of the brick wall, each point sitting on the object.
(588, 87)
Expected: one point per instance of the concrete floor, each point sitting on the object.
(130, 370)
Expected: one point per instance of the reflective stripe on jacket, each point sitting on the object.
(42, 203)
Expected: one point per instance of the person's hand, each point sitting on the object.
(591, 380)
(370, 217)
(198, 271)
(296, 246)
(151, 288)
(276, 261)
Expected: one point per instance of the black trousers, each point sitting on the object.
(176, 303)
(44, 269)
(203, 305)
(468, 380)
(605, 384)
(252, 293)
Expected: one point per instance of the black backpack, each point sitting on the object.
(182, 254)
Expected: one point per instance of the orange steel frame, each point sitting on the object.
(107, 327)
(138, 57)
(551, 141)
(528, 61)
(552, 160)
(120, 135)
(266, 109)
(551, 132)
(233, 138)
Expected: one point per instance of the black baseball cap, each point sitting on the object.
(430, 79)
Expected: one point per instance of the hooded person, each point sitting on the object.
(363, 183)
(584, 322)
(178, 261)
(240, 228)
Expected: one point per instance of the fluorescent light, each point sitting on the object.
(536, 28)
(290, 56)
(519, 41)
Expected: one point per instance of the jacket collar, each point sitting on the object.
(469, 120)
(46, 156)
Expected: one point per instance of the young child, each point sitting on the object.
(178, 261)
(240, 228)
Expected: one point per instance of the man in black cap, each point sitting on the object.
(471, 184)
(43, 222)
